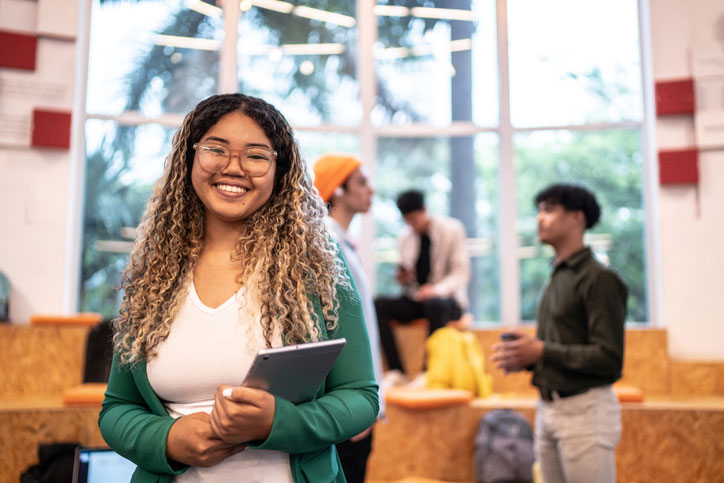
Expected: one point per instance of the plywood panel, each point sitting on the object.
(40, 361)
(22, 430)
(646, 360)
(695, 379)
(671, 445)
(431, 443)
(661, 441)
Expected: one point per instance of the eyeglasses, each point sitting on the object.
(255, 160)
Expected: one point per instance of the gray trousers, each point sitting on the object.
(575, 437)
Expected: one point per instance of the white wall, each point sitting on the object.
(34, 198)
(34, 183)
(691, 217)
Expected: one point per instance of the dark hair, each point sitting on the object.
(275, 126)
(410, 201)
(572, 198)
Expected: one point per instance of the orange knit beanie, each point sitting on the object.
(331, 171)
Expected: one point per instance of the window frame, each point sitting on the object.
(368, 134)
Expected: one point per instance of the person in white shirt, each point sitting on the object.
(232, 256)
(434, 271)
(344, 184)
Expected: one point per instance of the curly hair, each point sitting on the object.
(295, 266)
(572, 198)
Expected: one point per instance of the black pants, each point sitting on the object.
(354, 458)
(438, 312)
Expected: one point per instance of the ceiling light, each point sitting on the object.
(442, 13)
(306, 67)
(276, 5)
(204, 8)
(325, 16)
(390, 11)
(460, 45)
(187, 42)
(392, 53)
(312, 49)
(422, 49)
(275, 54)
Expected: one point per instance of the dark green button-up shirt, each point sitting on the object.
(581, 321)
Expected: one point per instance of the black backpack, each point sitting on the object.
(55, 464)
(503, 448)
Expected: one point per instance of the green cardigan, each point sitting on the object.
(134, 422)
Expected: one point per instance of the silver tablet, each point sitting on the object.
(294, 372)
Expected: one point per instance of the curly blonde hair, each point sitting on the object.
(284, 243)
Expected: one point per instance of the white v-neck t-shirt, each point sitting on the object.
(207, 347)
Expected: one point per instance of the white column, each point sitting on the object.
(508, 238)
(366, 36)
(76, 181)
(650, 172)
(228, 82)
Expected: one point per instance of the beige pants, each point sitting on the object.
(575, 437)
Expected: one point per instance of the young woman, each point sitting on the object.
(231, 257)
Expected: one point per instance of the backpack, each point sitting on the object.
(503, 448)
(55, 464)
(455, 360)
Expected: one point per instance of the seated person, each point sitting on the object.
(434, 271)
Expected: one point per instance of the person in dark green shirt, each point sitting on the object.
(577, 352)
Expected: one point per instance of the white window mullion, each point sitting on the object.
(228, 82)
(76, 184)
(366, 37)
(508, 238)
(650, 172)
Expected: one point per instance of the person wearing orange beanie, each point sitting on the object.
(331, 172)
(343, 183)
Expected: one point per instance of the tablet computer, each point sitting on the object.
(294, 372)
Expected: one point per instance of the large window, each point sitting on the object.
(478, 103)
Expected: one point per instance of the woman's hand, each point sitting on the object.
(246, 414)
(191, 441)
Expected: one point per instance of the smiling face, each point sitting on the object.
(231, 195)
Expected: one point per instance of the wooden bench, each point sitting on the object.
(37, 365)
(673, 435)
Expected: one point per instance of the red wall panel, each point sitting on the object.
(679, 167)
(675, 97)
(51, 129)
(17, 50)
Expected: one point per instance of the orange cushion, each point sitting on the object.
(88, 394)
(85, 318)
(417, 398)
(628, 393)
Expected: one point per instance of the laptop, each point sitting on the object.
(101, 465)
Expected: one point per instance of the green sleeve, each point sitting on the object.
(129, 426)
(349, 404)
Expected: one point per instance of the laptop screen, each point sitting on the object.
(101, 465)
